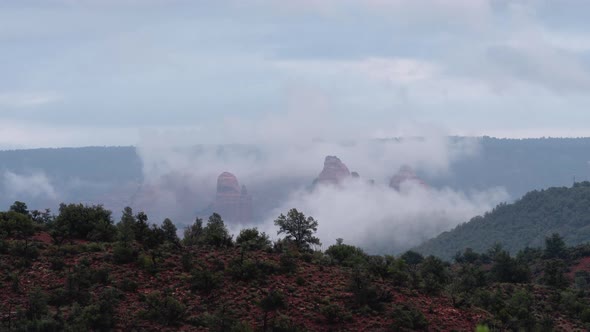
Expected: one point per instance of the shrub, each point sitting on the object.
(367, 294)
(252, 239)
(57, 263)
(335, 313)
(186, 260)
(204, 280)
(128, 285)
(346, 255)
(147, 263)
(288, 263)
(164, 309)
(407, 317)
(123, 253)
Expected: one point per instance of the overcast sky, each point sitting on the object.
(111, 72)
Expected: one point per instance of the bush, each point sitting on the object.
(147, 263)
(367, 294)
(288, 263)
(57, 263)
(164, 309)
(204, 280)
(252, 239)
(128, 285)
(335, 313)
(346, 255)
(407, 317)
(244, 270)
(186, 260)
(123, 254)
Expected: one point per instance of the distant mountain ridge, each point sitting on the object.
(524, 223)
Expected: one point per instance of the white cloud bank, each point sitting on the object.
(32, 185)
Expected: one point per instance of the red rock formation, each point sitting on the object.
(405, 174)
(232, 202)
(334, 171)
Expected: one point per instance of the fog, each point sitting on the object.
(278, 158)
(35, 185)
(381, 219)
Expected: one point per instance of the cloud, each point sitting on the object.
(34, 185)
(27, 99)
(381, 219)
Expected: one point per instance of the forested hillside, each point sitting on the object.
(524, 223)
(79, 271)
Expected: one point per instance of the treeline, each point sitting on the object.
(524, 223)
(521, 292)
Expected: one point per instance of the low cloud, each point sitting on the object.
(381, 219)
(34, 185)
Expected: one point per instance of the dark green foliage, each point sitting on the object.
(19, 207)
(409, 318)
(42, 217)
(78, 221)
(123, 253)
(128, 285)
(248, 270)
(15, 224)
(222, 319)
(412, 258)
(169, 230)
(37, 304)
(524, 223)
(164, 309)
(434, 274)
(215, 233)
(335, 313)
(555, 247)
(554, 273)
(57, 263)
(271, 302)
(186, 260)
(288, 262)
(508, 269)
(365, 292)
(346, 255)
(98, 316)
(141, 227)
(205, 281)
(298, 228)
(252, 239)
(126, 226)
(193, 233)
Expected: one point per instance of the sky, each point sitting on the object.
(120, 72)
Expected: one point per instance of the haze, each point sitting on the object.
(293, 81)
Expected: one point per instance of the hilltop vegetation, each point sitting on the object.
(524, 223)
(80, 271)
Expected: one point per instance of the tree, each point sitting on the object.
(126, 226)
(141, 227)
(555, 246)
(298, 228)
(169, 231)
(252, 239)
(273, 301)
(215, 233)
(42, 218)
(83, 222)
(434, 274)
(412, 258)
(193, 233)
(20, 207)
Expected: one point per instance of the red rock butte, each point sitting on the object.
(232, 202)
(334, 171)
(406, 174)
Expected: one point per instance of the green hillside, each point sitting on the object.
(525, 223)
